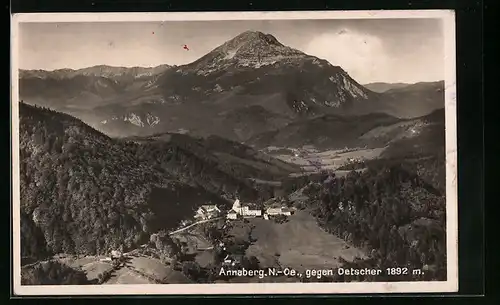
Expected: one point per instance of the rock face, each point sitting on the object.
(260, 64)
(248, 85)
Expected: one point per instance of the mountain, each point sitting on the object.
(84, 192)
(381, 87)
(403, 138)
(98, 71)
(254, 63)
(251, 73)
(249, 85)
(414, 100)
(418, 144)
(324, 132)
(422, 136)
(83, 89)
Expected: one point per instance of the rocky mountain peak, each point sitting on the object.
(254, 44)
(255, 37)
(248, 49)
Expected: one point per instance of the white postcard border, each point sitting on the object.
(450, 285)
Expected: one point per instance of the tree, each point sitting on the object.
(250, 263)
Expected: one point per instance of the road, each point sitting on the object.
(193, 224)
(132, 252)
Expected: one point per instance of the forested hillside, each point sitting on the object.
(84, 192)
(422, 153)
(393, 214)
(232, 158)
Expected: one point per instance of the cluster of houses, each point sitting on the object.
(354, 160)
(240, 210)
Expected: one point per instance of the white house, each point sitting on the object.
(244, 210)
(207, 212)
(116, 254)
(106, 259)
(273, 211)
(232, 215)
(279, 211)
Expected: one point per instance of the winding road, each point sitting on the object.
(193, 224)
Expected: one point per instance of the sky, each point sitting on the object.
(370, 50)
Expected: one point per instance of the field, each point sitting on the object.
(298, 243)
(137, 270)
(311, 160)
(128, 276)
(91, 265)
(146, 270)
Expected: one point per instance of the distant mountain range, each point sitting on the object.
(250, 85)
(381, 87)
(370, 130)
(121, 73)
(414, 100)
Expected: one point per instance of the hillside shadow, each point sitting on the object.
(126, 262)
(188, 257)
(173, 206)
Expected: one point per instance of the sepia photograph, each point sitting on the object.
(234, 153)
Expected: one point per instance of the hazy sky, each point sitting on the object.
(387, 50)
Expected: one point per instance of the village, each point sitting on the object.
(242, 210)
(208, 212)
(238, 211)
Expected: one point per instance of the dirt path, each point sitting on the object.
(126, 275)
(193, 224)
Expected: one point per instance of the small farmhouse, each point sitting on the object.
(232, 215)
(207, 212)
(116, 255)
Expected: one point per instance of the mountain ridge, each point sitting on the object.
(252, 83)
(381, 87)
(97, 70)
(338, 131)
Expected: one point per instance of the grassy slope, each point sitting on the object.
(300, 243)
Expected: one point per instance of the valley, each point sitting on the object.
(312, 160)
